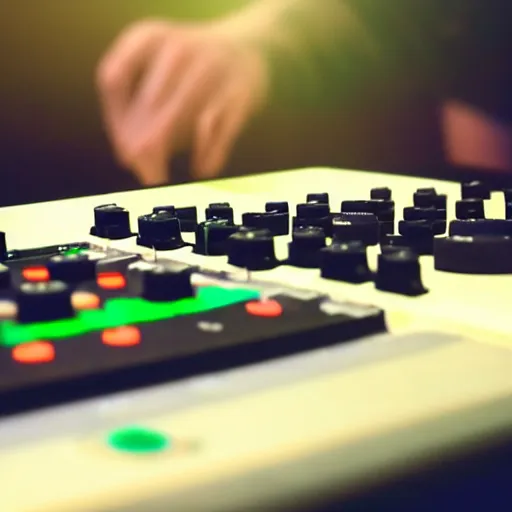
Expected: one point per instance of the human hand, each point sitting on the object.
(166, 87)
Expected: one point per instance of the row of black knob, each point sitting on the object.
(52, 300)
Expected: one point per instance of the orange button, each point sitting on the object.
(36, 274)
(36, 352)
(85, 300)
(264, 308)
(121, 337)
(111, 280)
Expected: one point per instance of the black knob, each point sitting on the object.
(71, 268)
(160, 231)
(188, 218)
(345, 262)
(313, 210)
(322, 197)
(277, 206)
(220, 211)
(437, 218)
(475, 227)
(362, 227)
(276, 222)
(313, 215)
(416, 235)
(5, 276)
(475, 190)
(112, 222)
(474, 254)
(382, 193)
(3, 247)
(399, 272)
(383, 209)
(304, 249)
(162, 283)
(212, 237)
(470, 209)
(429, 198)
(169, 209)
(252, 250)
(416, 213)
(43, 302)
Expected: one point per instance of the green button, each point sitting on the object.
(138, 440)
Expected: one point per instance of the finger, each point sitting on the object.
(158, 81)
(217, 131)
(118, 72)
(152, 170)
(160, 132)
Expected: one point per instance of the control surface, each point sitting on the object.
(427, 262)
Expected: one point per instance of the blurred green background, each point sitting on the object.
(51, 139)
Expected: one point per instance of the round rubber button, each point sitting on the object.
(138, 440)
(8, 309)
(85, 300)
(36, 352)
(36, 274)
(111, 280)
(128, 336)
(264, 308)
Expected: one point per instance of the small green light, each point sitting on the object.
(138, 440)
(73, 251)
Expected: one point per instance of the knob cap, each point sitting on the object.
(474, 254)
(313, 215)
(322, 197)
(429, 198)
(381, 193)
(475, 227)
(418, 235)
(362, 227)
(277, 206)
(384, 210)
(437, 218)
(345, 262)
(160, 231)
(169, 209)
(399, 272)
(188, 218)
(475, 190)
(43, 302)
(212, 237)
(304, 249)
(252, 250)
(220, 211)
(277, 223)
(470, 209)
(71, 268)
(111, 222)
(162, 283)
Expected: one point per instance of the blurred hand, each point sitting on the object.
(167, 87)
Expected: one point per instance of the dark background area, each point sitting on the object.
(51, 139)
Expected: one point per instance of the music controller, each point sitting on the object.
(249, 342)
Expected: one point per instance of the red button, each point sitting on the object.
(121, 337)
(36, 352)
(264, 308)
(36, 274)
(111, 280)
